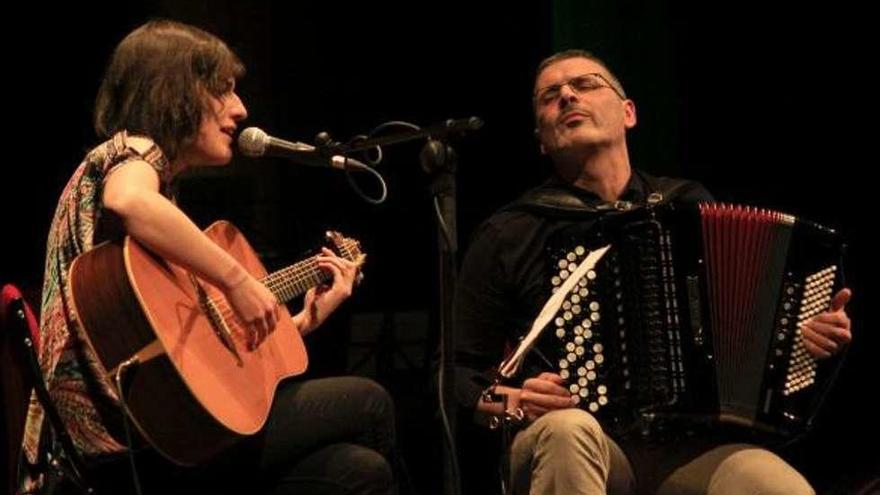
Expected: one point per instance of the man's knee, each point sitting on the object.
(568, 422)
(569, 426)
(758, 470)
(563, 451)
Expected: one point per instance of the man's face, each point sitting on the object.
(586, 114)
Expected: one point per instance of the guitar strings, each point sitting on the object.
(282, 281)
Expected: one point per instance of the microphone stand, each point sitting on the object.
(438, 160)
(450, 126)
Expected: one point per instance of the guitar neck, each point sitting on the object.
(296, 279)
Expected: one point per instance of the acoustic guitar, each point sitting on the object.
(195, 381)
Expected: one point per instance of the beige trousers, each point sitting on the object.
(566, 452)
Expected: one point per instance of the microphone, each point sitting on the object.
(254, 142)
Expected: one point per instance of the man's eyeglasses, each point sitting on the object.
(579, 84)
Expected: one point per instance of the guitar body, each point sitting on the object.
(197, 386)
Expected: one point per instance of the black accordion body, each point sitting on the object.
(693, 313)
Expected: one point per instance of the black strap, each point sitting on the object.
(553, 200)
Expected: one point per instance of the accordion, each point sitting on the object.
(694, 313)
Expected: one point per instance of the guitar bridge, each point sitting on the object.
(218, 323)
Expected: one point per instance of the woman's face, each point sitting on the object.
(214, 140)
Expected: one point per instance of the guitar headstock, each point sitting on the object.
(346, 247)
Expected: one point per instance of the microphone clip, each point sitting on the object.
(327, 146)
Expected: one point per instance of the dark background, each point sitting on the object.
(764, 105)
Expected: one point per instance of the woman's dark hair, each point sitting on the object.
(158, 81)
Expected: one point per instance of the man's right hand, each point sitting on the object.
(543, 394)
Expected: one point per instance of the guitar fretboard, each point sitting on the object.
(296, 279)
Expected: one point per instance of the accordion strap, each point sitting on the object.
(557, 201)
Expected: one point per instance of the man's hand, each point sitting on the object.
(543, 394)
(826, 333)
